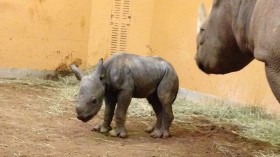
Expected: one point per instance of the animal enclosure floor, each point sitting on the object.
(30, 125)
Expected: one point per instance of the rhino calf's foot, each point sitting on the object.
(101, 128)
(118, 132)
(160, 134)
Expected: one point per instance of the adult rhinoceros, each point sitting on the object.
(238, 31)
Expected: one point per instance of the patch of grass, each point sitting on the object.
(140, 108)
(66, 92)
(226, 149)
(254, 122)
(63, 90)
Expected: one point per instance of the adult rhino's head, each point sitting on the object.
(217, 48)
(91, 92)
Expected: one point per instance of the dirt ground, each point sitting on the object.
(30, 127)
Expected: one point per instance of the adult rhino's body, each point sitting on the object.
(238, 31)
(122, 77)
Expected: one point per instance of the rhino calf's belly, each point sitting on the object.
(143, 92)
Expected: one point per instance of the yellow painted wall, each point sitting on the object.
(41, 34)
(99, 35)
(139, 29)
(142, 14)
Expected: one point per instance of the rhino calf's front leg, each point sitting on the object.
(110, 104)
(124, 99)
(106, 125)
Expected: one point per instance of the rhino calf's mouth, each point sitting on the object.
(85, 118)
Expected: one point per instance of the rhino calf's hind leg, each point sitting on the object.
(167, 118)
(166, 92)
(157, 107)
(124, 99)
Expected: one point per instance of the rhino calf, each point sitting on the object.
(123, 77)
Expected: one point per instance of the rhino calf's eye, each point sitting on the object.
(94, 101)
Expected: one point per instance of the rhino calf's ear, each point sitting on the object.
(78, 73)
(99, 70)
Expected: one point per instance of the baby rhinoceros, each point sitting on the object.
(122, 77)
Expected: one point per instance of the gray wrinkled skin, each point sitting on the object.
(122, 77)
(238, 31)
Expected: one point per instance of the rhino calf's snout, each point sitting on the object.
(79, 117)
(84, 118)
(79, 110)
(79, 114)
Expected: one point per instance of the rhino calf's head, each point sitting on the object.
(91, 92)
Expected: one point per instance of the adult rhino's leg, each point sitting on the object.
(157, 107)
(123, 101)
(273, 77)
(110, 104)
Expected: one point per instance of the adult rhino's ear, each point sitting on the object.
(99, 70)
(78, 73)
(201, 16)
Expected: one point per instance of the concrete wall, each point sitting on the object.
(43, 35)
